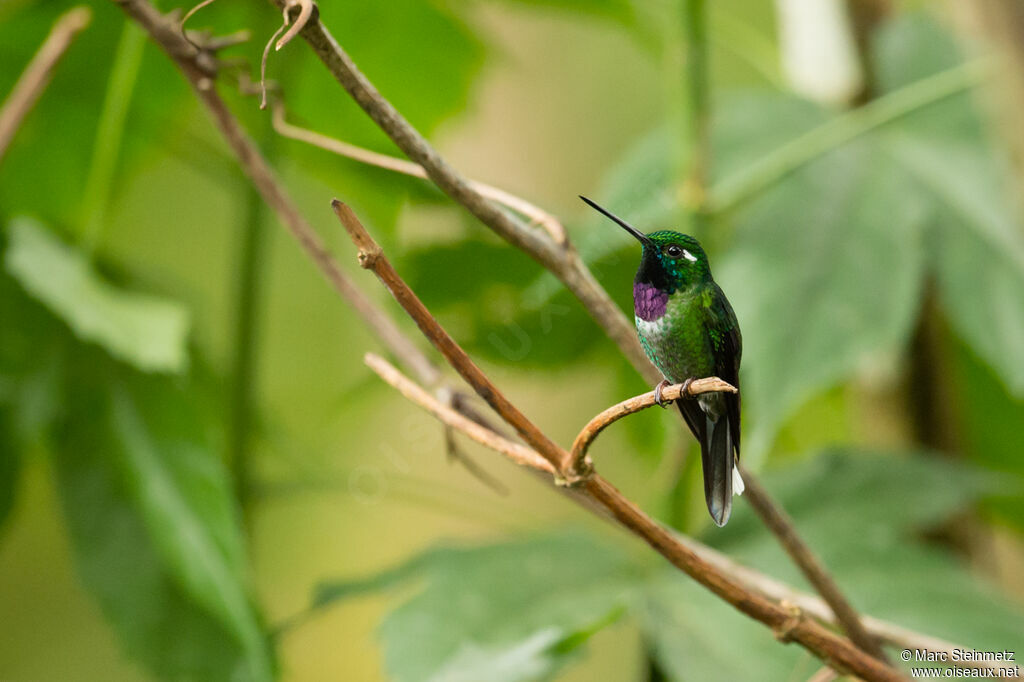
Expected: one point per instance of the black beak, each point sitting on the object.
(643, 238)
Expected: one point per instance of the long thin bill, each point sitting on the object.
(644, 239)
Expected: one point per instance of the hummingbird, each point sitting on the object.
(688, 330)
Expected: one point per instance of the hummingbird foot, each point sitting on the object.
(657, 393)
(685, 392)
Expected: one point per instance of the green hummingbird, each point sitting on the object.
(689, 330)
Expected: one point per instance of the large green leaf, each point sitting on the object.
(825, 277)
(143, 330)
(507, 612)
(154, 526)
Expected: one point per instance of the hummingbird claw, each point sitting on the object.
(685, 393)
(657, 393)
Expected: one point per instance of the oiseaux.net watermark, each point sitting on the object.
(963, 663)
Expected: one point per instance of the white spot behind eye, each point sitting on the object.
(689, 256)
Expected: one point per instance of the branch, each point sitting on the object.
(198, 66)
(562, 260)
(780, 523)
(37, 74)
(641, 402)
(755, 581)
(559, 258)
(520, 454)
(789, 624)
(536, 215)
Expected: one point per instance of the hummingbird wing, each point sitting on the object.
(727, 348)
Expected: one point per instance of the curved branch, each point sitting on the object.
(788, 623)
(614, 413)
(562, 260)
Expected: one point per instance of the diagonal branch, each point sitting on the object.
(892, 634)
(199, 66)
(560, 258)
(37, 74)
(564, 262)
(788, 623)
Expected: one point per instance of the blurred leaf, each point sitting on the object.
(978, 248)
(825, 276)
(991, 420)
(146, 331)
(695, 637)
(465, 272)
(863, 514)
(505, 612)
(154, 526)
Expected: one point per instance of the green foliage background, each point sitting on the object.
(159, 522)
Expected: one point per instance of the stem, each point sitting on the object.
(37, 74)
(697, 112)
(245, 342)
(107, 148)
(794, 155)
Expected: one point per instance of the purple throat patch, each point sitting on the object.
(649, 302)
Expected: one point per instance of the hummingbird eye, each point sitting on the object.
(673, 251)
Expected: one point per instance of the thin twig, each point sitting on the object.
(198, 66)
(372, 258)
(561, 259)
(536, 215)
(37, 74)
(306, 8)
(641, 402)
(520, 454)
(789, 624)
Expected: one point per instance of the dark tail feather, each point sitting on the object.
(716, 451)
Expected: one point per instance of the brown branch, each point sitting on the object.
(779, 522)
(641, 402)
(789, 624)
(198, 66)
(537, 215)
(372, 258)
(561, 259)
(520, 454)
(813, 606)
(37, 74)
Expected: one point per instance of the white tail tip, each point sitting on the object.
(737, 482)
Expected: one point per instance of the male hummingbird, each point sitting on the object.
(689, 330)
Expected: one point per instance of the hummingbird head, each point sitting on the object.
(671, 261)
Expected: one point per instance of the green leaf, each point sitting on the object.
(825, 278)
(978, 249)
(145, 331)
(154, 526)
(507, 612)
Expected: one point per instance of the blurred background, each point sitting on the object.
(199, 478)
